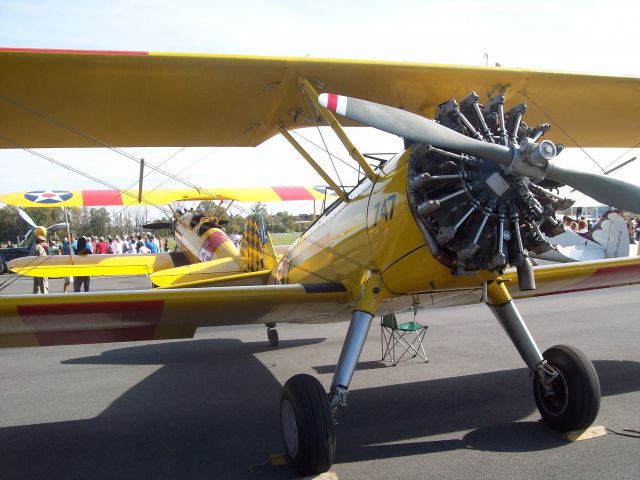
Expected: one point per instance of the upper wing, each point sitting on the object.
(59, 319)
(99, 198)
(53, 98)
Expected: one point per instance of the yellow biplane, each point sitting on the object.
(437, 225)
(205, 252)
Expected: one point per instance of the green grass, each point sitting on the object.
(284, 238)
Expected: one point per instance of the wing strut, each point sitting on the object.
(337, 128)
(140, 180)
(339, 191)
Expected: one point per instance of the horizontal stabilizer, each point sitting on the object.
(188, 274)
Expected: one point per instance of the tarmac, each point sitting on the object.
(208, 408)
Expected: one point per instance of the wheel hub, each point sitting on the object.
(289, 428)
(554, 395)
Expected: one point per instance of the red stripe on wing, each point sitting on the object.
(101, 198)
(293, 193)
(604, 277)
(71, 324)
(65, 50)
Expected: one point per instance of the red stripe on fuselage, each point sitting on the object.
(211, 244)
(293, 193)
(101, 198)
(65, 50)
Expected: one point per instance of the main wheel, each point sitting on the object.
(307, 425)
(272, 335)
(574, 401)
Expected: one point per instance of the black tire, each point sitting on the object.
(576, 399)
(307, 425)
(272, 335)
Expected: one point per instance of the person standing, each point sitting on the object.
(40, 249)
(65, 249)
(101, 247)
(82, 281)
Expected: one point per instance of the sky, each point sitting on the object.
(581, 36)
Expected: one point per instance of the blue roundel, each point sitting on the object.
(48, 196)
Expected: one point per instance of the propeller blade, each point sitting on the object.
(610, 191)
(25, 216)
(613, 192)
(157, 226)
(411, 126)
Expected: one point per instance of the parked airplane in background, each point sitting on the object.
(609, 238)
(24, 245)
(205, 252)
(437, 225)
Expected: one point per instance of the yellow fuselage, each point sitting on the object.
(374, 232)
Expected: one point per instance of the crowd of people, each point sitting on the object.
(582, 225)
(132, 243)
(91, 245)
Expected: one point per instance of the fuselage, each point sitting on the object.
(201, 240)
(375, 231)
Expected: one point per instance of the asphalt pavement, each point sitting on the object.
(208, 408)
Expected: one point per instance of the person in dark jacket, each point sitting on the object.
(82, 281)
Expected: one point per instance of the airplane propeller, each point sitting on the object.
(531, 160)
(25, 216)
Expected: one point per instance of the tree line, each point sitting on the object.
(101, 222)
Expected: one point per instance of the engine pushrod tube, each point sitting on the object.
(483, 125)
(447, 153)
(464, 218)
(516, 222)
(481, 228)
(467, 124)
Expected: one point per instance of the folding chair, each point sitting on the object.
(408, 335)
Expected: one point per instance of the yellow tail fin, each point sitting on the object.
(252, 245)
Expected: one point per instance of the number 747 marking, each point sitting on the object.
(384, 209)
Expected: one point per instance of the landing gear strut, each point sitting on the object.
(565, 384)
(307, 413)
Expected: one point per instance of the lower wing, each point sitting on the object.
(64, 319)
(96, 265)
(57, 319)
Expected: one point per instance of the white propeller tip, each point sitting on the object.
(333, 102)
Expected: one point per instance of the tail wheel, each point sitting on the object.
(307, 425)
(272, 335)
(572, 400)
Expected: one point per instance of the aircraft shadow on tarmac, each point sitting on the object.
(212, 410)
